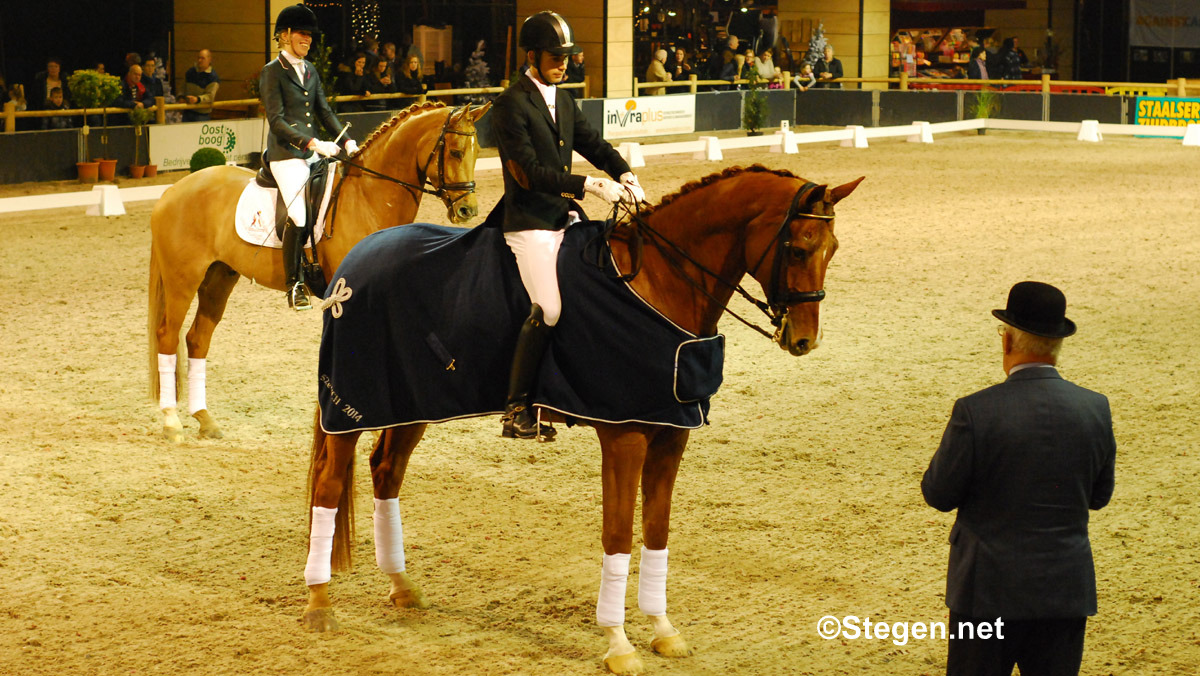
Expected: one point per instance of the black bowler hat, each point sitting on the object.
(1037, 308)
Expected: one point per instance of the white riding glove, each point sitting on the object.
(351, 146)
(607, 190)
(326, 148)
(635, 189)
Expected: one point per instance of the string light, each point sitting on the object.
(364, 19)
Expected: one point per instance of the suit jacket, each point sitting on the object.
(292, 108)
(535, 153)
(1023, 461)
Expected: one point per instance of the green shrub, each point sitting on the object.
(205, 158)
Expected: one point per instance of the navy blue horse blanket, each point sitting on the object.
(421, 321)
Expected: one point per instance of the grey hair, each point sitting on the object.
(1029, 343)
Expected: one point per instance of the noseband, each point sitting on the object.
(779, 297)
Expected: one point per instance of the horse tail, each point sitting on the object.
(343, 533)
(157, 309)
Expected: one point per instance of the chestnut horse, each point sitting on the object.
(194, 250)
(695, 248)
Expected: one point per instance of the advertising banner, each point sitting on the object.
(1160, 111)
(1164, 23)
(649, 116)
(172, 145)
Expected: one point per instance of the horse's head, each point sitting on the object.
(450, 164)
(789, 255)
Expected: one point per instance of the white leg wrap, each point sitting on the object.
(610, 607)
(166, 381)
(652, 582)
(389, 536)
(196, 392)
(320, 546)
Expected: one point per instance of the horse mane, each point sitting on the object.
(398, 119)
(729, 172)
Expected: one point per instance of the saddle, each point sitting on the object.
(314, 191)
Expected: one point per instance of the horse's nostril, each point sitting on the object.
(802, 344)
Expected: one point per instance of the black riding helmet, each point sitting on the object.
(297, 18)
(549, 32)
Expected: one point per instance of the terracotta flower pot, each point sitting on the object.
(137, 170)
(88, 171)
(108, 168)
(151, 170)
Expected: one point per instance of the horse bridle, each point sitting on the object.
(439, 191)
(779, 297)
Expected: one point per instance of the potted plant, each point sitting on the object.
(987, 102)
(139, 117)
(92, 89)
(754, 106)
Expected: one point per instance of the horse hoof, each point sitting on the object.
(173, 434)
(671, 646)
(409, 598)
(319, 620)
(628, 664)
(208, 427)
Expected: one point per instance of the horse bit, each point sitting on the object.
(779, 297)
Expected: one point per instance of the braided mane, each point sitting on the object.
(397, 119)
(722, 175)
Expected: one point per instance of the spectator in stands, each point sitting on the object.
(767, 72)
(4, 98)
(56, 102)
(150, 78)
(747, 65)
(200, 86)
(977, 67)
(804, 80)
(379, 81)
(353, 83)
(575, 73)
(657, 72)
(678, 66)
(133, 92)
(43, 82)
(727, 72)
(1009, 60)
(828, 70)
(409, 80)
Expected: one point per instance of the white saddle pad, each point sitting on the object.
(254, 218)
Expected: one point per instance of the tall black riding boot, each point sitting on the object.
(293, 249)
(519, 421)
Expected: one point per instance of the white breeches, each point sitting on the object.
(537, 259)
(320, 546)
(291, 176)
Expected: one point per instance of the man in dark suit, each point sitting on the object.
(293, 101)
(1023, 461)
(537, 126)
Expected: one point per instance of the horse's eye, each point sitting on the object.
(457, 154)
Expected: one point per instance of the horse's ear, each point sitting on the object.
(478, 112)
(843, 191)
(817, 194)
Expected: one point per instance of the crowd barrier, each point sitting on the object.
(108, 200)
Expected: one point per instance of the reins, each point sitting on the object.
(774, 307)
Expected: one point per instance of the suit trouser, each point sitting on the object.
(1043, 647)
(537, 260)
(291, 176)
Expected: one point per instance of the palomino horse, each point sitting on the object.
(701, 242)
(195, 251)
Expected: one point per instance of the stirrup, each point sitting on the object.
(297, 299)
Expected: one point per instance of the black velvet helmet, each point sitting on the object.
(547, 31)
(297, 18)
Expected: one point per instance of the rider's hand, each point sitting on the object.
(635, 189)
(325, 148)
(351, 146)
(605, 189)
